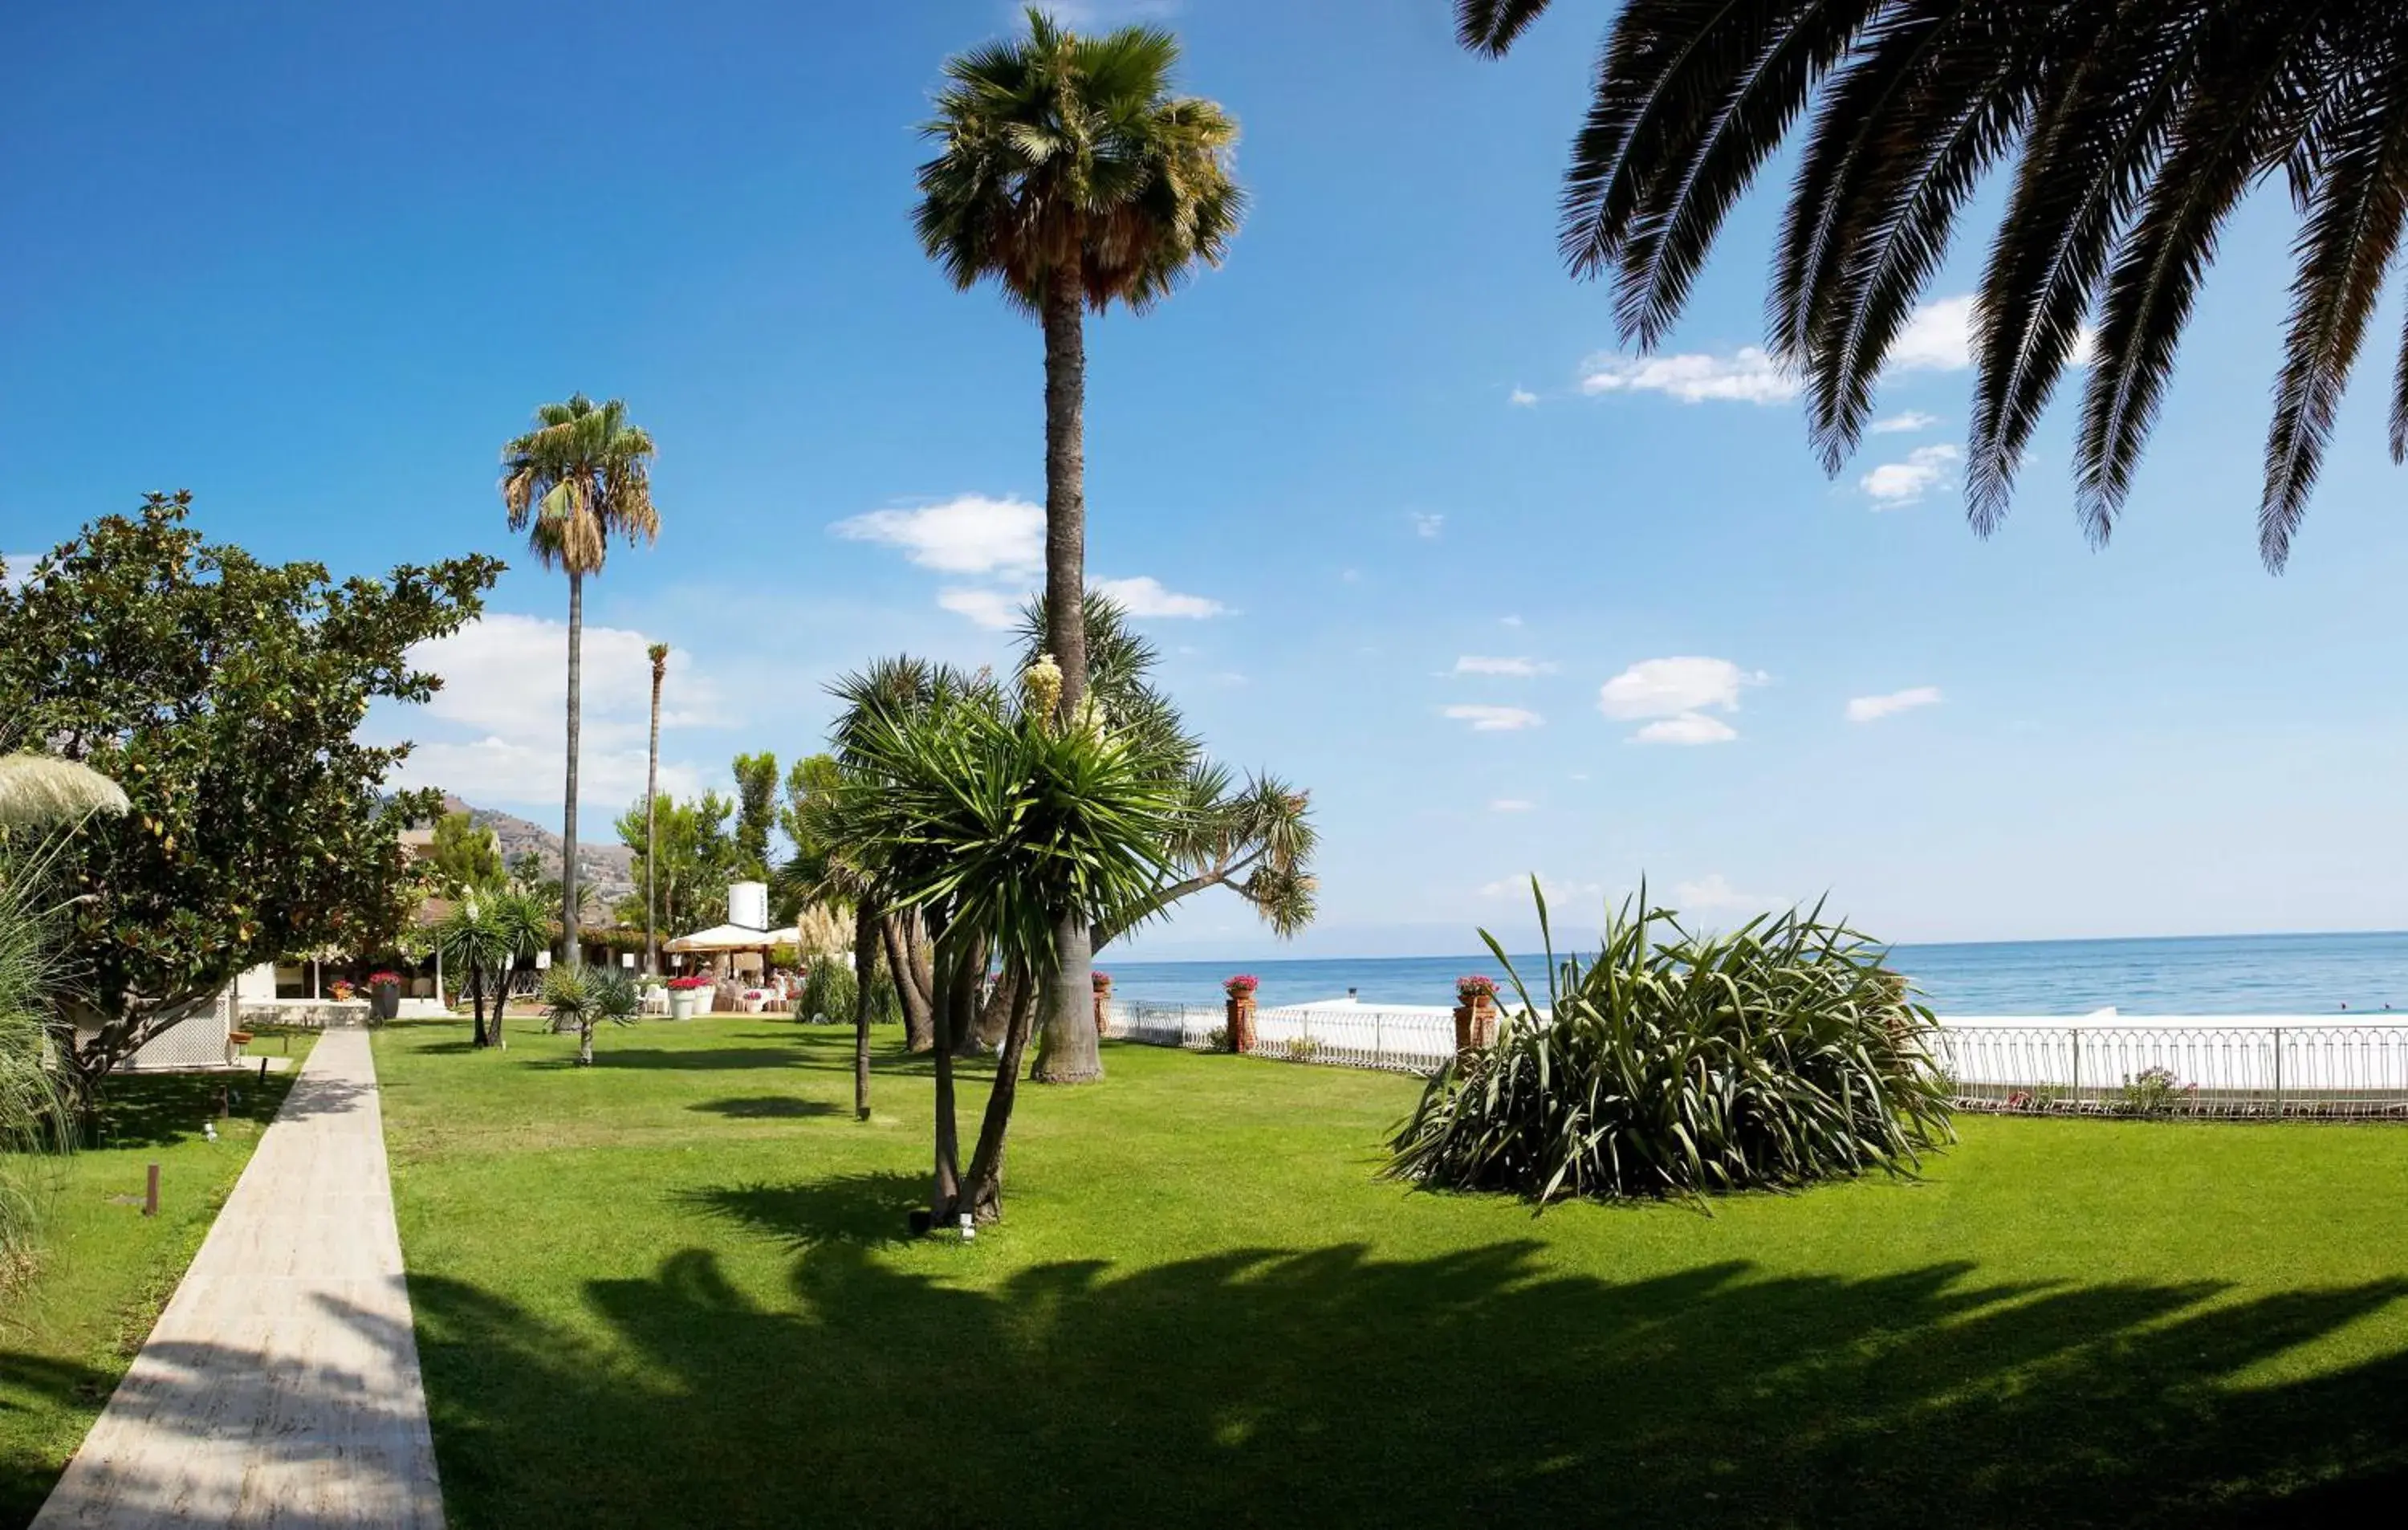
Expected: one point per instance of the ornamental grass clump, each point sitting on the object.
(1681, 1064)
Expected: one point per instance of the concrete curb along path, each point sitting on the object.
(281, 1385)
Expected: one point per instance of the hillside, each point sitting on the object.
(609, 867)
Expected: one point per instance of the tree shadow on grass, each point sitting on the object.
(768, 1107)
(865, 1210)
(160, 1109)
(1329, 1387)
(697, 1059)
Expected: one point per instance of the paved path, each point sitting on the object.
(280, 1387)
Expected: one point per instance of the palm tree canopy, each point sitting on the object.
(1058, 151)
(580, 479)
(2132, 129)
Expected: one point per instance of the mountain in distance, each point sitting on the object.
(608, 869)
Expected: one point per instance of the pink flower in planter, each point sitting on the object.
(1241, 986)
(1472, 990)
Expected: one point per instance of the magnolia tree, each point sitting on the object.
(225, 694)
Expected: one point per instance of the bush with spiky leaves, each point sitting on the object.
(581, 997)
(33, 1098)
(1678, 1063)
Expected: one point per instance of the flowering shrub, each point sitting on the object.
(1243, 986)
(341, 990)
(1102, 979)
(379, 980)
(1472, 990)
(687, 986)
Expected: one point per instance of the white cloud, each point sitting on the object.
(1687, 728)
(967, 534)
(1510, 620)
(1873, 708)
(1426, 525)
(1936, 337)
(1556, 890)
(1665, 687)
(1474, 664)
(1896, 485)
(1144, 595)
(1509, 805)
(1913, 419)
(1716, 892)
(1521, 398)
(1748, 376)
(995, 608)
(21, 567)
(504, 704)
(1494, 718)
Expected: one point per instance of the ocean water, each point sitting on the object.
(2207, 974)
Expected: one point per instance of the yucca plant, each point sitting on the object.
(34, 1119)
(583, 998)
(1682, 1064)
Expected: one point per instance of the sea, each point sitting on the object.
(2203, 975)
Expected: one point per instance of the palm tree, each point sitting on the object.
(580, 478)
(1069, 172)
(999, 821)
(2134, 131)
(659, 654)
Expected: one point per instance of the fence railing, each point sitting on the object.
(2274, 1067)
(2255, 1069)
(1399, 1040)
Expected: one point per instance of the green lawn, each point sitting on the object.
(68, 1331)
(675, 1289)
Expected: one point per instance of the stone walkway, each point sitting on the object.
(281, 1386)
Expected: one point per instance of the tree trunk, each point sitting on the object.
(865, 962)
(585, 1044)
(1069, 1055)
(652, 834)
(962, 1002)
(570, 929)
(906, 965)
(982, 1191)
(477, 998)
(945, 1190)
(995, 1018)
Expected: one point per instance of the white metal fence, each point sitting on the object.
(1402, 1040)
(2269, 1066)
(2260, 1068)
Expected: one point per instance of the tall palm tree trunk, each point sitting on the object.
(865, 923)
(652, 828)
(1069, 1053)
(571, 931)
(945, 1189)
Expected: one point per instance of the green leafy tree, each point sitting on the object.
(222, 694)
(2132, 133)
(465, 855)
(757, 812)
(693, 861)
(579, 480)
(998, 821)
(1069, 172)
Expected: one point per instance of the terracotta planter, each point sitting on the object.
(1241, 1023)
(1475, 1026)
(1103, 1005)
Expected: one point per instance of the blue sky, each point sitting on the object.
(1505, 600)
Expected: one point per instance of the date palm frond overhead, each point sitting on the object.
(2129, 130)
